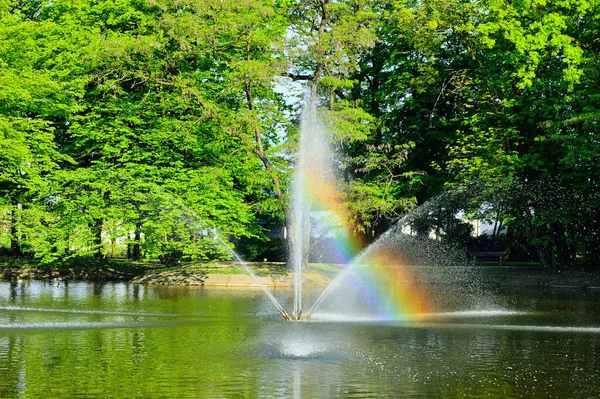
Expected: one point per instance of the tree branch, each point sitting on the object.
(294, 76)
(340, 94)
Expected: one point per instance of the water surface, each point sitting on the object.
(123, 340)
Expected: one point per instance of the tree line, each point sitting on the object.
(155, 121)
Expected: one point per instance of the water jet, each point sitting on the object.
(389, 259)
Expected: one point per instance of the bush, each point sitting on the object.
(171, 258)
(257, 250)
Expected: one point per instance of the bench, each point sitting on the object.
(489, 256)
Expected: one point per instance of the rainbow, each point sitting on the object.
(388, 287)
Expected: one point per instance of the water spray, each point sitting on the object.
(209, 231)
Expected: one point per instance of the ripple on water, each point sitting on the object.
(516, 327)
(83, 311)
(480, 313)
(71, 325)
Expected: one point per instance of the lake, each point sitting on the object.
(125, 340)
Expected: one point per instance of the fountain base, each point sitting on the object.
(285, 315)
(294, 316)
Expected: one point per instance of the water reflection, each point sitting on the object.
(194, 342)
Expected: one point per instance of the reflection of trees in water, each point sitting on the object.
(11, 366)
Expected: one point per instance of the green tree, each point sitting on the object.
(35, 102)
(490, 93)
(148, 127)
(518, 134)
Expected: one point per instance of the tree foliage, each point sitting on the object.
(496, 96)
(154, 121)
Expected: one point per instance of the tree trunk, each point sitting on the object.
(566, 252)
(259, 150)
(543, 258)
(499, 228)
(137, 252)
(97, 231)
(509, 239)
(15, 244)
(546, 255)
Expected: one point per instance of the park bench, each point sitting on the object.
(498, 255)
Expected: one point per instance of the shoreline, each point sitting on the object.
(225, 274)
(275, 275)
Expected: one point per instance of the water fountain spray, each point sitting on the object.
(313, 167)
(206, 230)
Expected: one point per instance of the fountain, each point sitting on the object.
(376, 269)
(315, 187)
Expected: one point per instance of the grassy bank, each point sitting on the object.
(88, 270)
(115, 270)
(268, 273)
(152, 272)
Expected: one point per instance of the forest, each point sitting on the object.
(139, 124)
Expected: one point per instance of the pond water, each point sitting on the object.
(124, 340)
